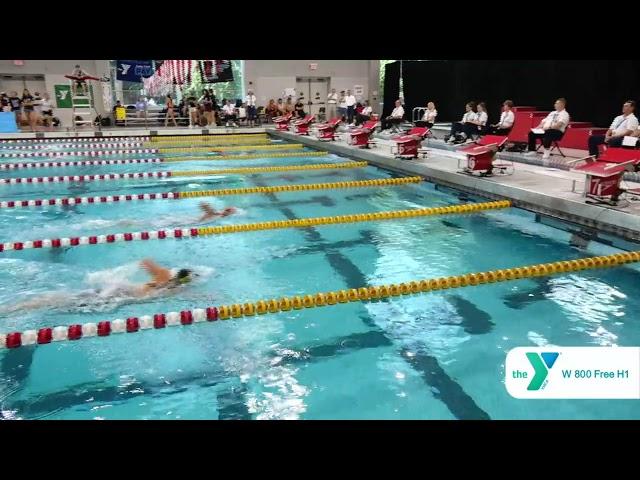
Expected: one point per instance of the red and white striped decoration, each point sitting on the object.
(82, 163)
(98, 239)
(106, 328)
(75, 145)
(86, 200)
(84, 178)
(79, 139)
(85, 153)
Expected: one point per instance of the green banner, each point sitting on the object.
(63, 96)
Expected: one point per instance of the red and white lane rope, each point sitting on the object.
(84, 178)
(76, 140)
(79, 163)
(74, 145)
(97, 239)
(84, 153)
(106, 328)
(88, 200)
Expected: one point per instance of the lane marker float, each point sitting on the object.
(186, 173)
(208, 193)
(249, 227)
(45, 335)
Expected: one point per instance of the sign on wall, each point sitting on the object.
(133, 70)
(313, 66)
(63, 96)
(358, 90)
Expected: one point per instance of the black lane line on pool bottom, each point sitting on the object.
(85, 394)
(449, 391)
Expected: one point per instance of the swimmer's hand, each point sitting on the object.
(160, 276)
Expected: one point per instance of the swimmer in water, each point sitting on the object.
(163, 282)
(210, 213)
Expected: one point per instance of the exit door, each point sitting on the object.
(312, 91)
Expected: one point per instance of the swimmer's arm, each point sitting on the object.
(159, 275)
(208, 211)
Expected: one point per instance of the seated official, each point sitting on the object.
(458, 127)
(395, 118)
(553, 125)
(229, 114)
(622, 125)
(507, 117)
(365, 113)
(478, 125)
(429, 116)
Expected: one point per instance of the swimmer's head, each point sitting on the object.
(183, 276)
(229, 211)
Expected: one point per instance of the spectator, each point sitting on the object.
(332, 101)
(207, 109)
(119, 114)
(342, 106)
(16, 107)
(271, 110)
(47, 110)
(193, 111)
(503, 127)
(288, 106)
(478, 125)
(365, 114)
(429, 116)
(350, 101)
(299, 109)
(229, 113)
(5, 104)
(141, 107)
(281, 108)
(28, 108)
(622, 125)
(553, 125)
(458, 127)
(395, 118)
(250, 101)
(242, 112)
(170, 113)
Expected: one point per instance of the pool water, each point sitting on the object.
(434, 356)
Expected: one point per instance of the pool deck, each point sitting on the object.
(547, 191)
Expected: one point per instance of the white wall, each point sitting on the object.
(54, 71)
(269, 78)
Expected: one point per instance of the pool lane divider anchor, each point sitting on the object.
(47, 335)
(188, 173)
(250, 227)
(85, 163)
(208, 193)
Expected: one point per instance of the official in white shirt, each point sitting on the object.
(395, 118)
(458, 127)
(507, 118)
(429, 116)
(622, 125)
(350, 102)
(250, 101)
(229, 112)
(478, 125)
(365, 114)
(332, 102)
(553, 125)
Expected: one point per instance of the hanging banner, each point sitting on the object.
(133, 70)
(214, 71)
(63, 96)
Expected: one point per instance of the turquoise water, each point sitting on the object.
(433, 356)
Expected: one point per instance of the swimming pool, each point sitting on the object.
(434, 356)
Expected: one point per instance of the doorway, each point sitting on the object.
(312, 91)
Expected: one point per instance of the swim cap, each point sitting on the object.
(183, 276)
